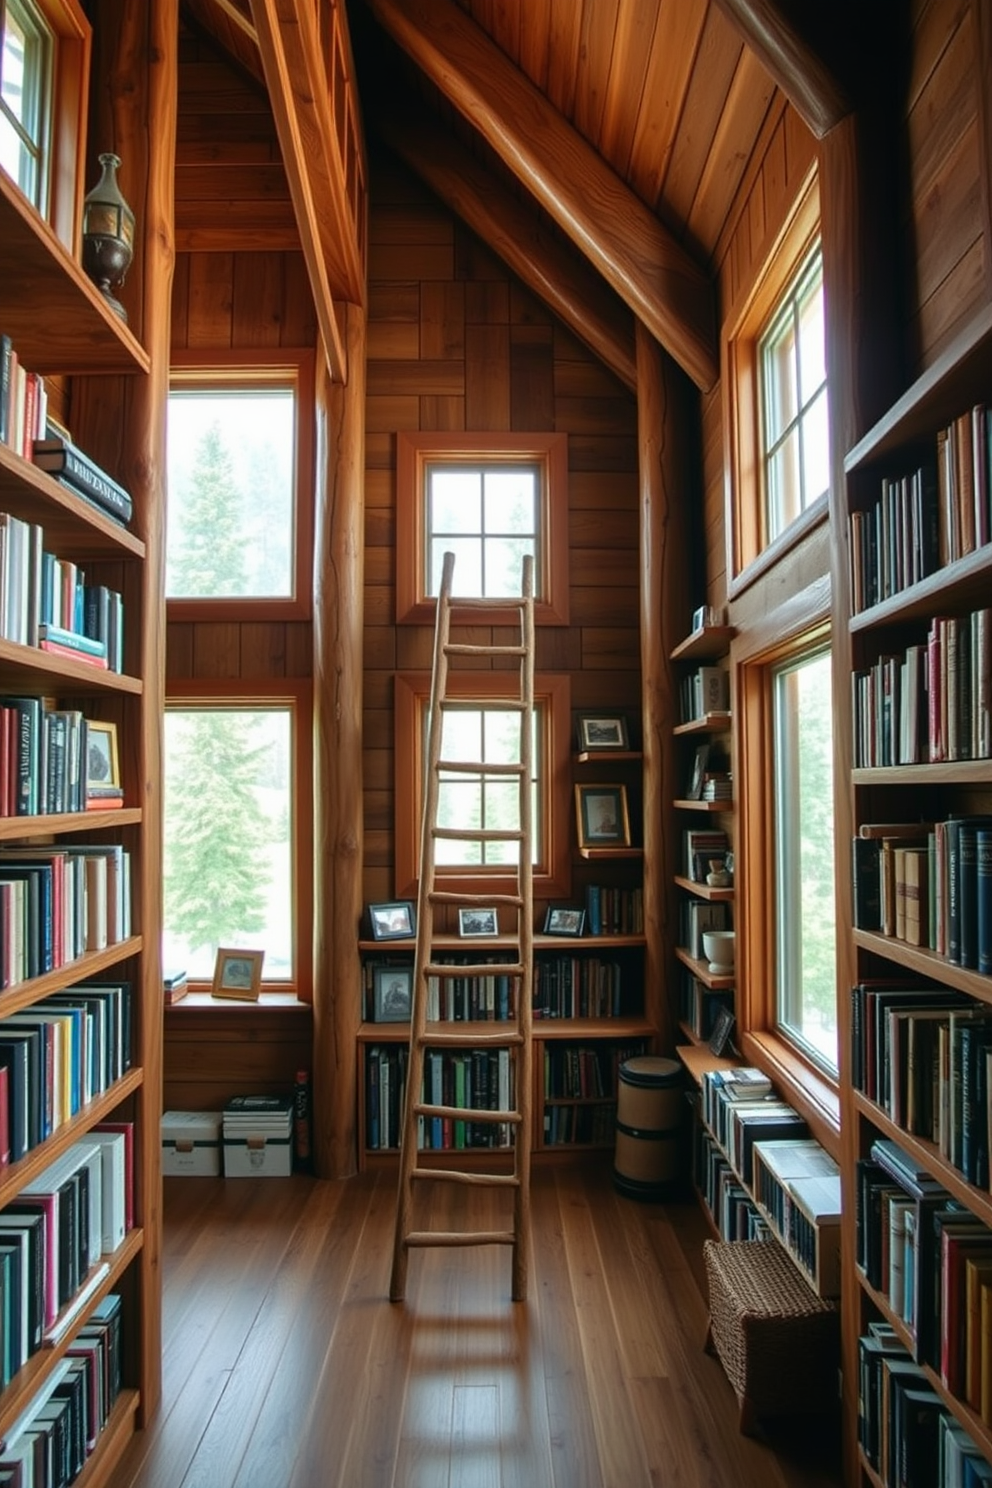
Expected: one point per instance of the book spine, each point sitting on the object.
(6, 351)
(86, 479)
(983, 866)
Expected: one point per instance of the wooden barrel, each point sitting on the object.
(650, 1111)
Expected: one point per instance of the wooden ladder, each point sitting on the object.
(514, 1034)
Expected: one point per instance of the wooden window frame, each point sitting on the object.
(296, 693)
(259, 368)
(415, 451)
(798, 625)
(552, 691)
(749, 554)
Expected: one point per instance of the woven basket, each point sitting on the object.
(777, 1340)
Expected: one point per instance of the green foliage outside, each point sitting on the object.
(816, 827)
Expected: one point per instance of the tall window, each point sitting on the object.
(491, 736)
(795, 448)
(805, 930)
(25, 97)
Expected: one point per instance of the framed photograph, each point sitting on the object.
(392, 921)
(392, 994)
(478, 922)
(601, 813)
(723, 1027)
(103, 770)
(564, 921)
(238, 975)
(602, 731)
(694, 791)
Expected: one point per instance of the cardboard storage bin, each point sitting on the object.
(258, 1137)
(191, 1143)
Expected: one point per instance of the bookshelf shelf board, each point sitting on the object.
(957, 587)
(608, 756)
(704, 891)
(978, 1200)
(934, 399)
(478, 948)
(683, 805)
(14, 1177)
(28, 668)
(709, 723)
(16, 828)
(55, 316)
(704, 645)
(23, 994)
(701, 970)
(545, 1030)
(927, 963)
(948, 772)
(699, 1058)
(578, 1100)
(600, 854)
(70, 522)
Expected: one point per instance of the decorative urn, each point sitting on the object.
(108, 234)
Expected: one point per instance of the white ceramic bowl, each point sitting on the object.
(718, 948)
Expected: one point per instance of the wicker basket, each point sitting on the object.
(777, 1340)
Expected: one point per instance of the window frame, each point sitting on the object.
(258, 368)
(552, 691)
(748, 555)
(800, 625)
(295, 693)
(415, 451)
(65, 149)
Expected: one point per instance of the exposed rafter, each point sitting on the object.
(664, 286)
(812, 89)
(565, 282)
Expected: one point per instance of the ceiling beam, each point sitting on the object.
(635, 253)
(813, 90)
(561, 279)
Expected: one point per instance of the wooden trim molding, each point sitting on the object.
(67, 158)
(552, 693)
(415, 451)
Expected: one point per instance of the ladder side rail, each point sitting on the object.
(525, 919)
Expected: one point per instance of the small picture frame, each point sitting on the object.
(601, 816)
(602, 731)
(238, 974)
(392, 994)
(564, 921)
(393, 921)
(723, 1027)
(694, 791)
(103, 770)
(476, 922)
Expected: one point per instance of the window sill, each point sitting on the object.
(814, 1096)
(793, 535)
(201, 1003)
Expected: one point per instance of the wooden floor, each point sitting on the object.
(285, 1365)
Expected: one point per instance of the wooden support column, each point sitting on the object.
(339, 548)
(664, 419)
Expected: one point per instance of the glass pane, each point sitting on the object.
(230, 507)
(25, 87)
(502, 736)
(461, 734)
(781, 394)
(504, 560)
(15, 83)
(812, 351)
(511, 499)
(228, 866)
(455, 501)
(806, 991)
(459, 806)
(816, 450)
(467, 577)
(784, 489)
(15, 158)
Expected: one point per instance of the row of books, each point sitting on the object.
(56, 904)
(927, 518)
(385, 1090)
(612, 911)
(797, 1188)
(585, 1071)
(731, 1208)
(579, 1126)
(59, 1054)
(46, 602)
(697, 915)
(699, 1005)
(471, 1080)
(23, 401)
(931, 702)
(740, 1113)
(704, 691)
(929, 884)
(45, 761)
(579, 987)
(905, 1432)
(700, 847)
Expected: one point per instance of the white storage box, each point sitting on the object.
(258, 1137)
(191, 1143)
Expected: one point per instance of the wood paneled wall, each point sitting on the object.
(456, 343)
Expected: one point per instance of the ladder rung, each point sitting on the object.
(461, 1237)
(463, 648)
(469, 1113)
(505, 705)
(469, 767)
(462, 834)
(458, 1175)
(469, 901)
(457, 602)
(465, 969)
(470, 1039)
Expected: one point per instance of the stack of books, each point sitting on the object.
(175, 985)
(57, 454)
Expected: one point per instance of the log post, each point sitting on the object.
(664, 417)
(338, 830)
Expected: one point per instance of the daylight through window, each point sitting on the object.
(490, 802)
(488, 516)
(25, 97)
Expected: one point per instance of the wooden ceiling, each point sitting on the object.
(590, 119)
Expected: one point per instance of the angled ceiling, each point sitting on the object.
(612, 134)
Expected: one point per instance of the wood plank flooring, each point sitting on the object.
(286, 1366)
